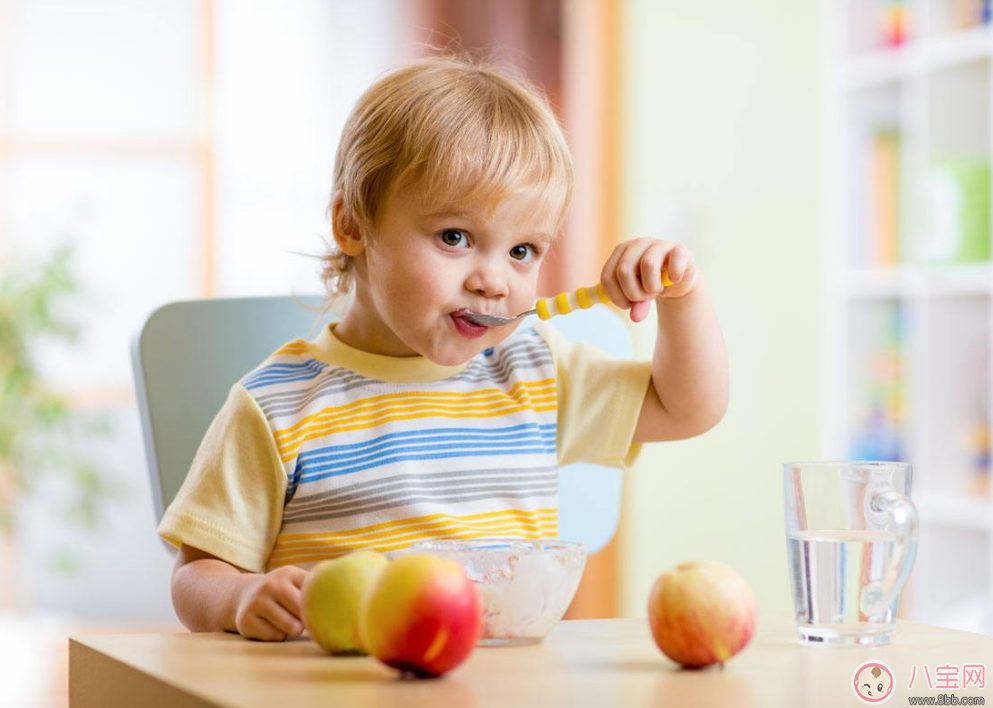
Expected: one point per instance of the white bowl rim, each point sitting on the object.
(523, 545)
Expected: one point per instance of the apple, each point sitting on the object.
(701, 613)
(332, 599)
(422, 616)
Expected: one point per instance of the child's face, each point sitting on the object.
(419, 270)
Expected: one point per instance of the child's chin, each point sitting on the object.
(451, 357)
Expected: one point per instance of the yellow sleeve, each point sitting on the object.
(599, 402)
(231, 503)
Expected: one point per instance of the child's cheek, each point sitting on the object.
(429, 287)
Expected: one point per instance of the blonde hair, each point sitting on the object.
(457, 129)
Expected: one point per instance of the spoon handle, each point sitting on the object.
(564, 303)
(579, 299)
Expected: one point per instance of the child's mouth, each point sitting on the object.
(466, 328)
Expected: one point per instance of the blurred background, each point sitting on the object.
(828, 163)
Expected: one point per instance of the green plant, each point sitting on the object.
(39, 432)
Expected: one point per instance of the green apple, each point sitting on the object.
(332, 598)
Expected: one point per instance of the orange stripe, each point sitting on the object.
(400, 407)
(467, 518)
(317, 434)
(543, 531)
(297, 346)
(370, 402)
(402, 534)
(316, 556)
(494, 403)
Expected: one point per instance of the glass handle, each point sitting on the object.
(896, 512)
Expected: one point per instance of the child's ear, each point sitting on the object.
(347, 234)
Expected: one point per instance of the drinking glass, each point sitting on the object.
(851, 538)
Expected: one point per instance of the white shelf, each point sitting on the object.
(882, 66)
(933, 370)
(972, 279)
(958, 48)
(879, 283)
(955, 510)
(908, 282)
(885, 66)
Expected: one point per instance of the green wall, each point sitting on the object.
(720, 117)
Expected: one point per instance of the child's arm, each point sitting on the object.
(211, 595)
(689, 391)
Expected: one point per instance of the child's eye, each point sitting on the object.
(454, 238)
(523, 252)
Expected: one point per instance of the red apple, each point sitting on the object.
(421, 616)
(701, 614)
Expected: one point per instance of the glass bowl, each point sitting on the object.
(525, 586)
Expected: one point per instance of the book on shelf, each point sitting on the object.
(878, 395)
(957, 200)
(954, 15)
(895, 20)
(979, 458)
(884, 197)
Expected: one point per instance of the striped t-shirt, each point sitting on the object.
(324, 449)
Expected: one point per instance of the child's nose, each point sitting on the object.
(487, 281)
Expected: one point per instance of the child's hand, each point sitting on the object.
(271, 607)
(632, 276)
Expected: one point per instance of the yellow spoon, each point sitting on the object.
(561, 304)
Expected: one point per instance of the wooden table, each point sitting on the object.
(583, 662)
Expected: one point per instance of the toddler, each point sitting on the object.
(404, 420)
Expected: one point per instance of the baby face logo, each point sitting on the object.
(873, 682)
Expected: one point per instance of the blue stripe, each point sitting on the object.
(494, 433)
(276, 371)
(284, 367)
(404, 458)
(294, 482)
(269, 382)
(311, 468)
(510, 437)
(284, 373)
(313, 461)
